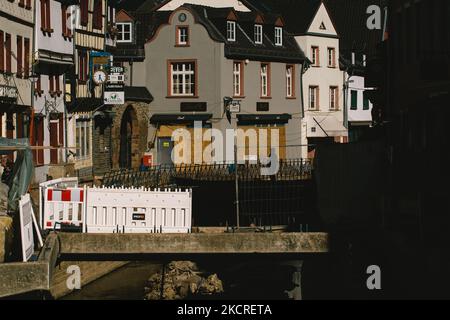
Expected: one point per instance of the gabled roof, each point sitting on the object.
(214, 20)
(297, 14)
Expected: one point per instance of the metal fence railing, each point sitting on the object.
(165, 175)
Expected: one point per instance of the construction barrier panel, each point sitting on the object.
(111, 210)
(62, 183)
(64, 208)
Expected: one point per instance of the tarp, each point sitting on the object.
(22, 174)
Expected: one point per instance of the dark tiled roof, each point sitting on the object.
(297, 14)
(139, 94)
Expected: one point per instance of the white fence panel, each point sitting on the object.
(63, 207)
(110, 210)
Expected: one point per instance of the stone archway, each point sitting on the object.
(128, 128)
(129, 135)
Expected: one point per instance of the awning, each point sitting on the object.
(84, 105)
(179, 118)
(322, 126)
(254, 119)
(138, 94)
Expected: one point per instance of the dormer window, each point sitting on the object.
(258, 34)
(278, 36)
(124, 32)
(182, 36)
(231, 30)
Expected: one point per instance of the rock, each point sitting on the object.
(181, 280)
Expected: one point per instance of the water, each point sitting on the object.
(241, 280)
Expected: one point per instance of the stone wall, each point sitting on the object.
(140, 121)
(101, 146)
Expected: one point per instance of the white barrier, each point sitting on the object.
(62, 183)
(110, 210)
(27, 220)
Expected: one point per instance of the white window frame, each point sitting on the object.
(180, 35)
(331, 57)
(278, 36)
(334, 98)
(82, 137)
(315, 55)
(313, 98)
(186, 76)
(264, 80)
(258, 34)
(231, 30)
(289, 81)
(121, 34)
(237, 78)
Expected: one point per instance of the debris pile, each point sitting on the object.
(182, 279)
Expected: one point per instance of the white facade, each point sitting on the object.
(360, 115)
(326, 117)
(236, 4)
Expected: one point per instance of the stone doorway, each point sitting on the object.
(129, 131)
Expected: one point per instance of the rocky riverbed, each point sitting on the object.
(182, 280)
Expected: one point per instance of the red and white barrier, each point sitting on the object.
(63, 207)
(111, 210)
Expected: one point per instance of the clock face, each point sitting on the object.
(182, 17)
(99, 77)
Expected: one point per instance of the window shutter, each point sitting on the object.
(57, 78)
(27, 58)
(64, 19)
(43, 24)
(22, 3)
(19, 56)
(28, 5)
(84, 12)
(8, 52)
(61, 129)
(52, 87)
(2, 52)
(47, 13)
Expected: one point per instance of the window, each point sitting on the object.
(82, 66)
(19, 56)
(258, 34)
(231, 31)
(278, 36)
(313, 97)
(331, 58)
(54, 86)
(290, 81)
(124, 32)
(366, 105)
(97, 19)
(265, 80)
(84, 14)
(183, 78)
(315, 56)
(334, 102)
(45, 16)
(83, 132)
(354, 100)
(238, 83)
(38, 135)
(183, 36)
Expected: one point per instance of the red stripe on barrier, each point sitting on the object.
(81, 195)
(66, 195)
(49, 194)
